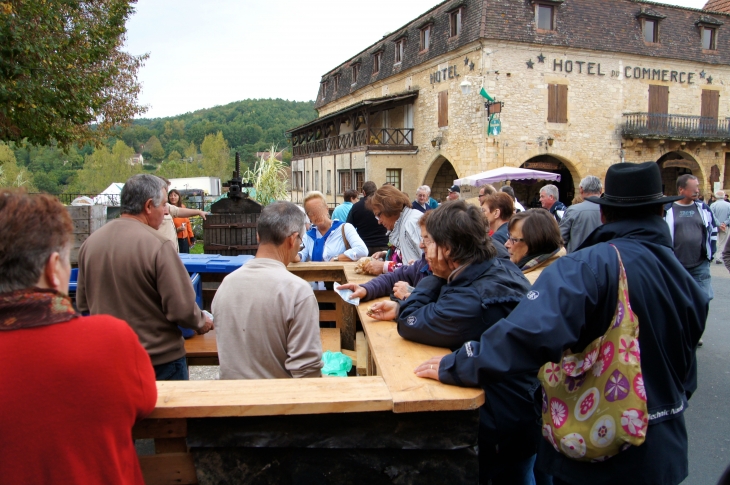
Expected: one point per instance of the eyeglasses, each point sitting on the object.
(514, 240)
(301, 241)
(377, 215)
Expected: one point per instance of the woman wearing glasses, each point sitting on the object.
(534, 242)
(392, 209)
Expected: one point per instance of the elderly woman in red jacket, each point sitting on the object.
(67, 381)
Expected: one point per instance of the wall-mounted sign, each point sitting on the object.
(678, 164)
(495, 126)
(444, 74)
(542, 165)
(629, 72)
(591, 68)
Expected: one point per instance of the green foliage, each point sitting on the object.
(62, 68)
(217, 160)
(10, 174)
(269, 179)
(153, 149)
(104, 167)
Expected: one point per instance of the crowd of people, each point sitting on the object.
(527, 300)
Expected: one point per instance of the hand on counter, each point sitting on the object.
(357, 290)
(207, 327)
(384, 310)
(429, 369)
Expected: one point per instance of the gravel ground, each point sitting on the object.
(203, 372)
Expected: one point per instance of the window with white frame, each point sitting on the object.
(399, 50)
(392, 176)
(425, 38)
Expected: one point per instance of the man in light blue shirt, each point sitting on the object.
(721, 210)
(341, 211)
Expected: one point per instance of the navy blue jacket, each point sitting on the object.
(383, 284)
(572, 304)
(501, 234)
(448, 314)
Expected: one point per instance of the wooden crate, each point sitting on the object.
(230, 234)
(86, 219)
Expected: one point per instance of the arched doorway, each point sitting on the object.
(440, 177)
(528, 191)
(676, 163)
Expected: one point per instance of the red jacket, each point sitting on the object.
(71, 393)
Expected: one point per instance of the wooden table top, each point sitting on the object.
(395, 387)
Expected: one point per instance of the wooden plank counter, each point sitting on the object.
(372, 429)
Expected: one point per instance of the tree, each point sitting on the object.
(216, 157)
(62, 69)
(10, 174)
(153, 149)
(104, 167)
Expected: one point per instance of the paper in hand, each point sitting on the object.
(345, 295)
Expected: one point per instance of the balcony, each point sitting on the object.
(357, 127)
(379, 139)
(675, 127)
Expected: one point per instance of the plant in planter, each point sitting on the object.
(269, 179)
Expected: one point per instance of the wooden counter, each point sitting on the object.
(372, 429)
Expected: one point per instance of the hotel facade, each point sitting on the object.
(566, 86)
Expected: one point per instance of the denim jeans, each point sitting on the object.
(177, 370)
(701, 275)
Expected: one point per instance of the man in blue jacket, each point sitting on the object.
(572, 304)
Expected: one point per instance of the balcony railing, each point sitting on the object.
(386, 137)
(683, 127)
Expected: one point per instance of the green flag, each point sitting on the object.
(484, 93)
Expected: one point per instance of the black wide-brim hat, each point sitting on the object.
(633, 185)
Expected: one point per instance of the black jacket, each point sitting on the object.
(371, 233)
(448, 314)
(570, 305)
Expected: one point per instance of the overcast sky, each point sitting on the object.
(204, 54)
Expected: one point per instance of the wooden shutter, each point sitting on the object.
(557, 103)
(710, 103)
(659, 99)
(443, 109)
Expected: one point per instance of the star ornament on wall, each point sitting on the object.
(530, 64)
(541, 58)
(709, 79)
(471, 66)
(466, 61)
(702, 74)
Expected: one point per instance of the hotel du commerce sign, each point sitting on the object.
(589, 68)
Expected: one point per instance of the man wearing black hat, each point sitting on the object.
(574, 302)
(454, 193)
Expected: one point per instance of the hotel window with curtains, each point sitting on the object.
(359, 180)
(392, 176)
(345, 180)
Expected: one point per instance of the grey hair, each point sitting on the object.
(278, 221)
(550, 189)
(424, 188)
(508, 190)
(591, 185)
(138, 190)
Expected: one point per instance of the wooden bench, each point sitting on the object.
(203, 350)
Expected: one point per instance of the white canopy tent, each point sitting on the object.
(506, 173)
(111, 195)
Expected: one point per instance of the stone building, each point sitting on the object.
(577, 86)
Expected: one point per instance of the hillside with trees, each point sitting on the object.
(199, 143)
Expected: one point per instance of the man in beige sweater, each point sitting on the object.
(128, 270)
(267, 319)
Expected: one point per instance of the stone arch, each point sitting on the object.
(676, 163)
(528, 191)
(440, 176)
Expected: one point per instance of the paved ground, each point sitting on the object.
(708, 415)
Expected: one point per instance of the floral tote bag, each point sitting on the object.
(594, 402)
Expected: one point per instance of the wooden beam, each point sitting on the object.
(160, 428)
(168, 469)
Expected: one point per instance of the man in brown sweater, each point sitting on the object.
(128, 270)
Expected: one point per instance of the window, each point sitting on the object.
(399, 47)
(298, 181)
(376, 62)
(345, 181)
(316, 180)
(324, 89)
(307, 181)
(359, 180)
(557, 103)
(544, 17)
(650, 30)
(329, 181)
(455, 23)
(355, 72)
(708, 38)
(336, 82)
(443, 109)
(392, 176)
(425, 38)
